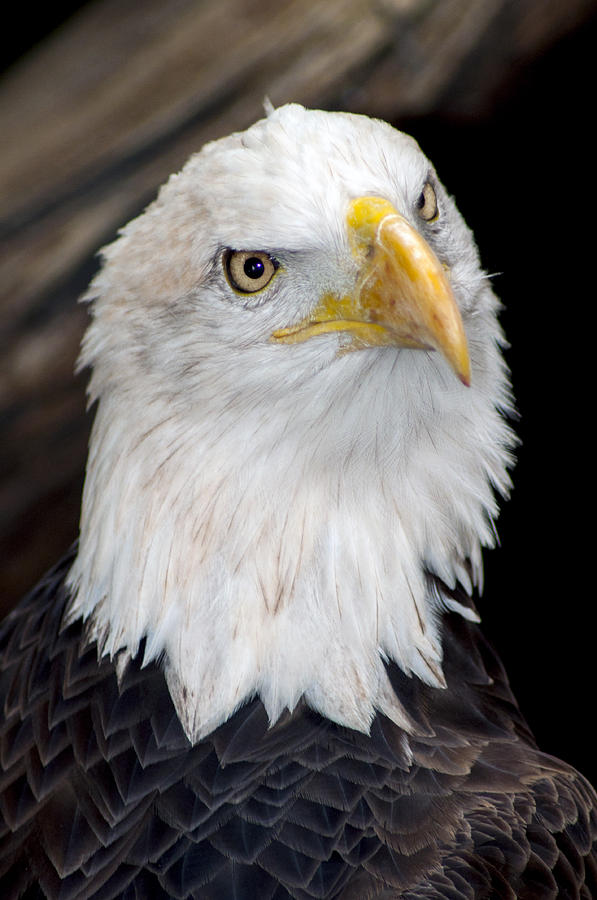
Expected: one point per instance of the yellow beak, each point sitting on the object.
(402, 295)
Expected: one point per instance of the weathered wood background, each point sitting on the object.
(97, 115)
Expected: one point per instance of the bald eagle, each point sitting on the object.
(260, 672)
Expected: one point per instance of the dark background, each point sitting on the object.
(522, 171)
(535, 172)
(524, 179)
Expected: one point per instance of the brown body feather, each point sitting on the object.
(102, 795)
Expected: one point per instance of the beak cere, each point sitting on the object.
(402, 295)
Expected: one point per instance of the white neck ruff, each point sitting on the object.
(282, 552)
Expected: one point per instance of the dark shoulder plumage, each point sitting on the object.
(101, 794)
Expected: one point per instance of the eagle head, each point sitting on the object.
(300, 417)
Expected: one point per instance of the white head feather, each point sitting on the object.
(264, 514)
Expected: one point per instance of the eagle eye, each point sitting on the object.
(249, 271)
(427, 203)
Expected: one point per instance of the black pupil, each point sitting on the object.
(254, 267)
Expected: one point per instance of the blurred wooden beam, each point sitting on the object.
(101, 113)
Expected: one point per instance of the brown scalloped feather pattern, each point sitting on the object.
(102, 796)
